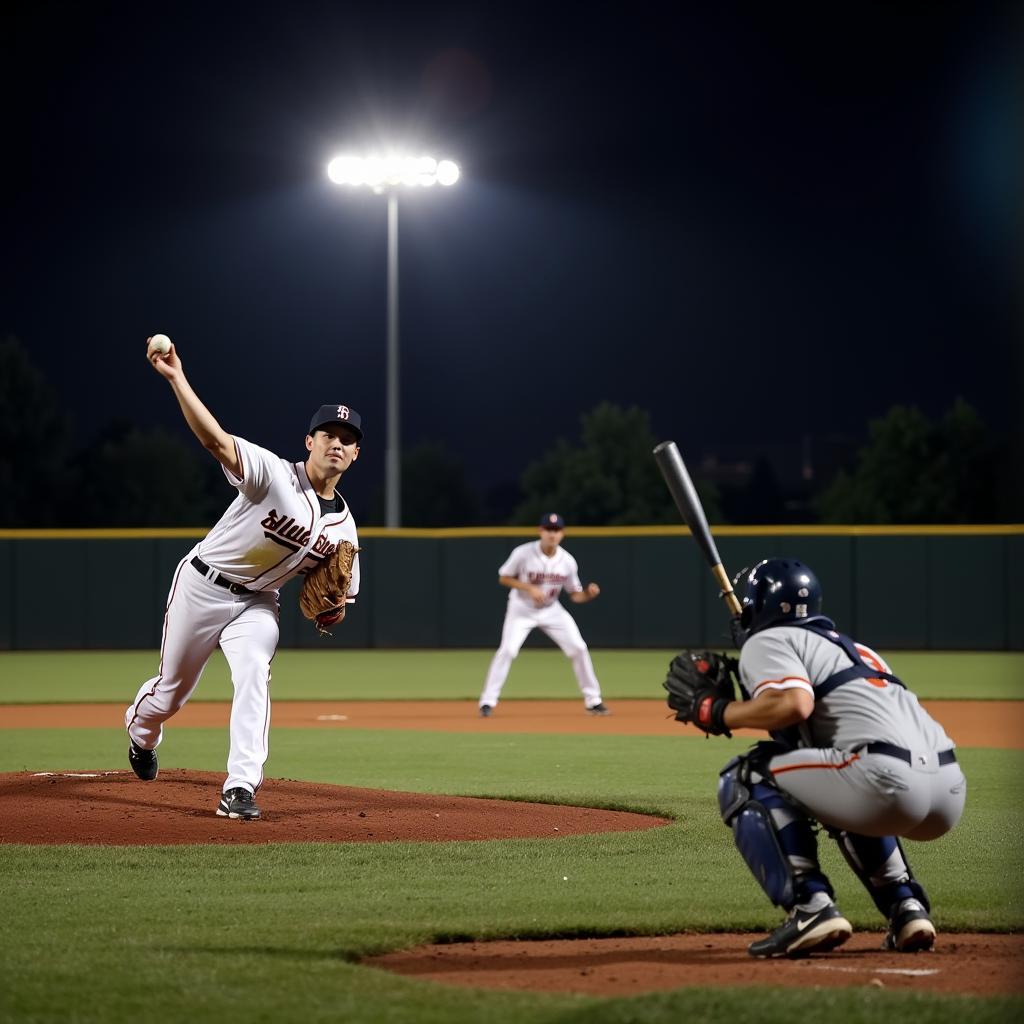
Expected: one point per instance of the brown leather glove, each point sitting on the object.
(325, 588)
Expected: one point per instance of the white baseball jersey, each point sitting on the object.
(274, 530)
(553, 574)
(529, 564)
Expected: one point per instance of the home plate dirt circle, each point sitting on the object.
(113, 808)
(968, 964)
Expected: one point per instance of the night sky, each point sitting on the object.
(757, 222)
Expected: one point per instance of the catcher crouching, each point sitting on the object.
(851, 750)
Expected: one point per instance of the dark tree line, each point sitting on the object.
(911, 469)
(916, 470)
(609, 479)
(125, 477)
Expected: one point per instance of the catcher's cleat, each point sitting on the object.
(805, 932)
(910, 929)
(599, 709)
(238, 803)
(485, 710)
(143, 762)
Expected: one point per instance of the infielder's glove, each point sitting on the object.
(700, 688)
(325, 588)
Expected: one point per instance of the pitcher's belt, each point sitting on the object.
(222, 581)
(944, 756)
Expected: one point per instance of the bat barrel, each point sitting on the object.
(680, 486)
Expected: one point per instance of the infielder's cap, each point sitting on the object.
(552, 521)
(337, 414)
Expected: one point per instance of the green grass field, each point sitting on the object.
(45, 677)
(109, 934)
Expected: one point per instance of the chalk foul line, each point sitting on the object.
(75, 775)
(914, 972)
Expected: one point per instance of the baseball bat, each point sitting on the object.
(673, 469)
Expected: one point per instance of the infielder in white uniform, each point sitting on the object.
(286, 518)
(852, 749)
(536, 573)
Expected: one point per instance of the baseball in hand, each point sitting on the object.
(159, 343)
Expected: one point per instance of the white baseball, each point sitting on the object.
(159, 343)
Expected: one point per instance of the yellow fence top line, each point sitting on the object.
(168, 533)
(104, 533)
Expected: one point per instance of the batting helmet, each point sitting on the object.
(777, 591)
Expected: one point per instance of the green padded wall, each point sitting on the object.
(908, 591)
(8, 594)
(891, 580)
(1010, 595)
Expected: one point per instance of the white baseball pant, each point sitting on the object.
(561, 627)
(200, 617)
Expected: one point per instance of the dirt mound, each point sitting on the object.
(974, 964)
(114, 808)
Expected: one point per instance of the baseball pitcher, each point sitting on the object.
(287, 519)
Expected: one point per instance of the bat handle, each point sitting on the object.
(731, 600)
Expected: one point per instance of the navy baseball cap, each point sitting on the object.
(337, 414)
(552, 521)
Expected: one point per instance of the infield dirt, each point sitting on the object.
(969, 964)
(989, 723)
(91, 807)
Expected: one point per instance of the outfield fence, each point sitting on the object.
(918, 588)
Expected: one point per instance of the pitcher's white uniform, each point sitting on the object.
(272, 531)
(552, 574)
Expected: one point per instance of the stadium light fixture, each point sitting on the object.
(387, 174)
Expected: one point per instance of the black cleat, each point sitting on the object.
(485, 710)
(803, 933)
(599, 709)
(238, 803)
(143, 762)
(910, 929)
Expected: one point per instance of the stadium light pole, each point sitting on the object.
(387, 175)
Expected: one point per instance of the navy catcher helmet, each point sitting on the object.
(774, 592)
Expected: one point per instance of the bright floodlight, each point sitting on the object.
(447, 172)
(386, 172)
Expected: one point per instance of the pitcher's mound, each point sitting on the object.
(115, 808)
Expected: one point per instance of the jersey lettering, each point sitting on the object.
(284, 528)
(323, 546)
(538, 578)
(872, 660)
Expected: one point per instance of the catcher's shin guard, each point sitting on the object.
(755, 835)
(774, 838)
(883, 869)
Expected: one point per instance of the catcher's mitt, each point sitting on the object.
(700, 687)
(325, 588)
